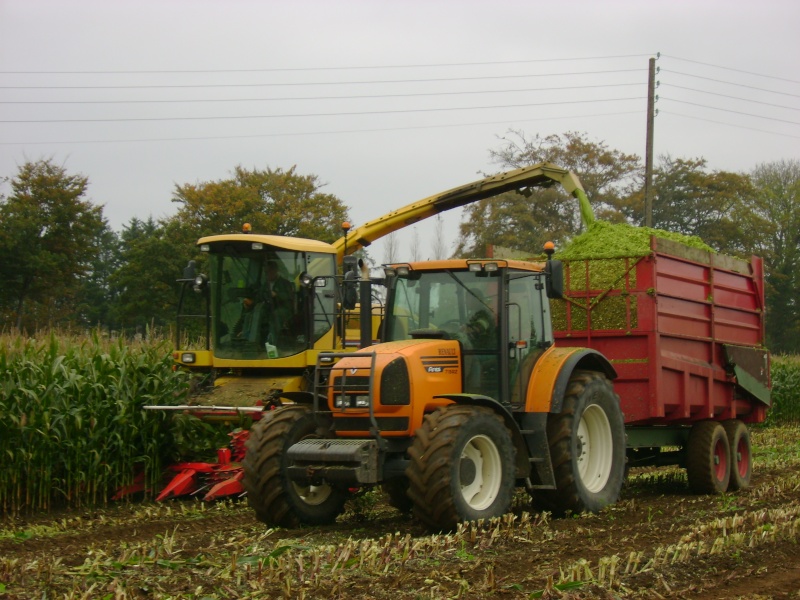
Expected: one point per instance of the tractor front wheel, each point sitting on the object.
(276, 500)
(462, 467)
(587, 447)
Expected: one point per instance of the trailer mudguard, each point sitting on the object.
(550, 376)
(522, 464)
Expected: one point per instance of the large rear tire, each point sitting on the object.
(741, 454)
(587, 447)
(708, 458)
(276, 500)
(462, 467)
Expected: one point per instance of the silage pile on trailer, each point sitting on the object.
(600, 273)
(620, 240)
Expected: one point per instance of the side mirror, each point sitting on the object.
(554, 279)
(350, 292)
(189, 271)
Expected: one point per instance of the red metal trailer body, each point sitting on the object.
(684, 329)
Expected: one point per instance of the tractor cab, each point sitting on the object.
(497, 310)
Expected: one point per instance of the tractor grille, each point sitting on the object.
(363, 423)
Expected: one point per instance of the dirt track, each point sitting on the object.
(658, 541)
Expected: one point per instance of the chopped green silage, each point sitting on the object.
(618, 240)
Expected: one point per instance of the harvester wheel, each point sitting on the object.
(276, 500)
(708, 458)
(741, 454)
(587, 447)
(462, 467)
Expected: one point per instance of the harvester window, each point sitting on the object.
(256, 298)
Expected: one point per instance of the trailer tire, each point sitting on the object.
(741, 454)
(462, 467)
(587, 447)
(708, 458)
(276, 500)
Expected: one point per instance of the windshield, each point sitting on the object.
(460, 303)
(259, 304)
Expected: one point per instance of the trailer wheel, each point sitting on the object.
(462, 467)
(741, 454)
(276, 500)
(587, 447)
(708, 464)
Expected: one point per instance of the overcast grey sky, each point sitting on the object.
(387, 102)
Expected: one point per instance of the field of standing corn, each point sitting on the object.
(72, 429)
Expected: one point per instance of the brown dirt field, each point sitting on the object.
(658, 541)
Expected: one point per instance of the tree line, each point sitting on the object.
(62, 266)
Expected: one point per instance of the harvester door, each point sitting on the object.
(319, 301)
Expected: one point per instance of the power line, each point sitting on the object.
(672, 85)
(307, 115)
(667, 112)
(736, 112)
(301, 69)
(697, 62)
(291, 84)
(750, 87)
(336, 132)
(301, 98)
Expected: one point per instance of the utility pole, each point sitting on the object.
(648, 155)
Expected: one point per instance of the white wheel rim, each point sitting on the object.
(596, 448)
(484, 487)
(313, 495)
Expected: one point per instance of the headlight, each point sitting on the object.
(188, 358)
(351, 401)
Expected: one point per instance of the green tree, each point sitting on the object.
(145, 285)
(273, 201)
(777, 238)
(716, 206)
(526, 222)
(48, 240)
(96, 302)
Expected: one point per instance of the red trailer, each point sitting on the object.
(684, 329)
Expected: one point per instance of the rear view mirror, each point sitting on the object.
(554, 279)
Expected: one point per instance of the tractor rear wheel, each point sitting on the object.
(708, 458)
(741, 454)
(587, 447)
(276, 500)
(462, 467)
